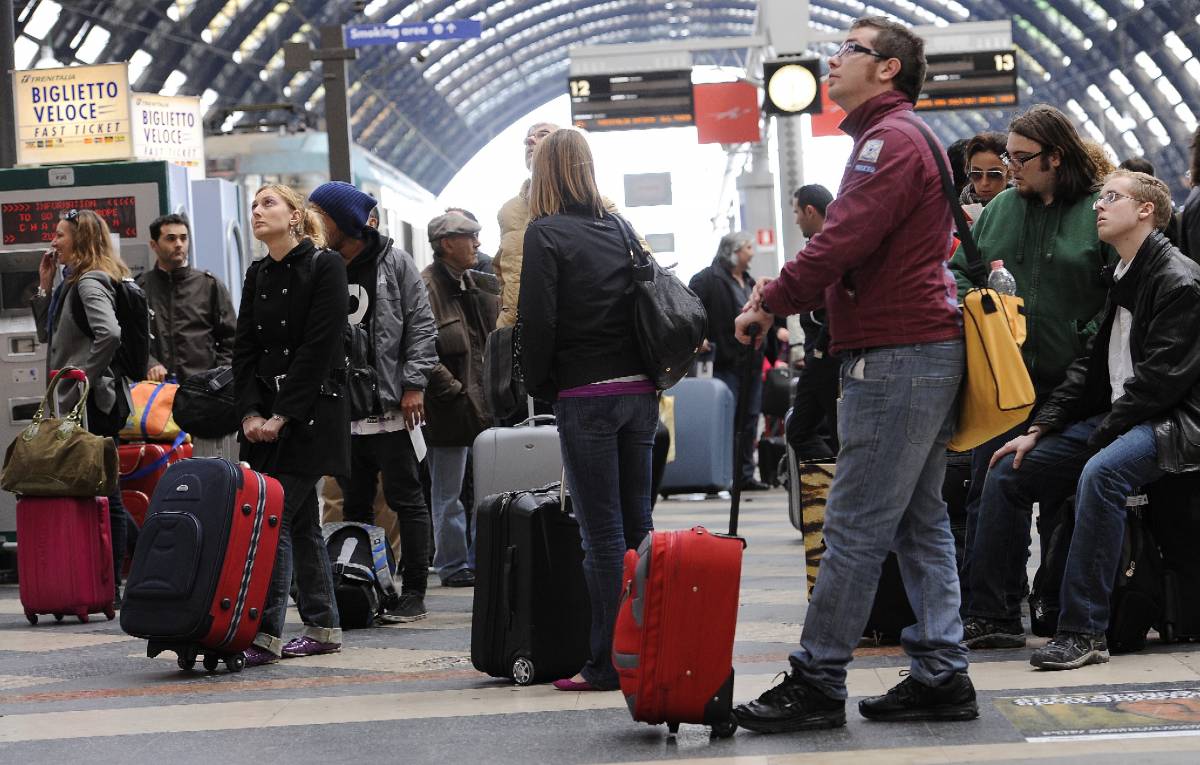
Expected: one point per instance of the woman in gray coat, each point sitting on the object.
(91, 269)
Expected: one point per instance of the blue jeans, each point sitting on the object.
(747, 429)
(1059, 464)
(607, 442)
(302, 549)
(453, 550)
(895, 416)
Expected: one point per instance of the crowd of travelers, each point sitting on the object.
(1104, 264)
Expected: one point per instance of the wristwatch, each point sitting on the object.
(40, 292)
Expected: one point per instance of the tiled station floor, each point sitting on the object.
(75, 692)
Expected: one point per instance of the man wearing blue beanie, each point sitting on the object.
(390, 313)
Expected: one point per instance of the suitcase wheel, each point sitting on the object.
(236, 663)
(185, 662)
(83, 617)
(58, 617)
(522, 670)
(211, 662)
(724, 729)
(672, 728)
(31, 616)
(110, 613)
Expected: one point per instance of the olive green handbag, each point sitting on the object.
(57, 457)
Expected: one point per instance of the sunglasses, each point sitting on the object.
(71, 215)
(992, 175)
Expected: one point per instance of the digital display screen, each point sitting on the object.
(979, 80)
(631, 101)
(34, 222)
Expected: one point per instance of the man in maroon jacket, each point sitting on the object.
(879, 266)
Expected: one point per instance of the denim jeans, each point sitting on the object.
(453, 549)
(895, 416)
(1059, 464)
(390, 456)
(302, 550)
(748, 427)
(607, 442)
(980, 457)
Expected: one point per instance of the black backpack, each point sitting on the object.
(133, 315)
(364, 567)
(207, 402)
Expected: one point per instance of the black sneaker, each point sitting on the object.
(911, 701)
(462, 578)
(982, 633)
(793, 705)
(411, 608)
(1071, 650)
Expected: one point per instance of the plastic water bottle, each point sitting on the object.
(1001, 280)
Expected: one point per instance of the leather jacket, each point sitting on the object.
(1162, 291)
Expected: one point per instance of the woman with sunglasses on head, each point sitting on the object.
(78, 320)
(987, 174)
(295, 421)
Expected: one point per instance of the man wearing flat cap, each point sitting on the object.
(465, 305)
(388, 301)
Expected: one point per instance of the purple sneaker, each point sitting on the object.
(256, 657)
(306, 646)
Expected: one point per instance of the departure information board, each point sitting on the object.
(34, 222)
(970, 81)
(632, 101)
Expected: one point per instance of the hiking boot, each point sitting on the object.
(984, 633)
(1071, 650)
(794, 704)
(462, 578)
(411, 608)
(306, 646)
(911, 701)
(256, 657)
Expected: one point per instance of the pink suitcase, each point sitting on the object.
(64, 557)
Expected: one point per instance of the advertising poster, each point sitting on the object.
(72, 114)
(169, 128)
(1117, 714)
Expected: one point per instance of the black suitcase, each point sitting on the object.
(531, 618)
(955, 488)
(1175, 522)
(779, 388)
(771, 451)
(662, 447)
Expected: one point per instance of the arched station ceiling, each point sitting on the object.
(1125, 70)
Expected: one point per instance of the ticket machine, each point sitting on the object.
(128, 195)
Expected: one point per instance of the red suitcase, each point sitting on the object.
(64, 559)
(203, 562)
(142, 465)
(673, 640)
(136, 504)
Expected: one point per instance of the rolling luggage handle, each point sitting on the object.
(739, 411)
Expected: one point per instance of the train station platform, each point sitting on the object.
(75, 692)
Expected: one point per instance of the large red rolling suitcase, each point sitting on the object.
(64, 560)
(203, 562)
(673, 641)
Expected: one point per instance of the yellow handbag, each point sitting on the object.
(997, 394)
(150, 416)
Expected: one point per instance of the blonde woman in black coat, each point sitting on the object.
(288, 361)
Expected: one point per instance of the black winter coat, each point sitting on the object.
(576, 307)
(1162, 291)
(723, 300)
(291, 322)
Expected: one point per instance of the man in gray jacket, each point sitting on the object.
(388, 300)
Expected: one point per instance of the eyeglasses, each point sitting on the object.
(1108, 199)
(1015, 162)
(992, 175)
(71, 215)
(852, 47)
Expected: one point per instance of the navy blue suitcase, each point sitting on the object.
(703, 438)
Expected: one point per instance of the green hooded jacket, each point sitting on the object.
(1055, 255)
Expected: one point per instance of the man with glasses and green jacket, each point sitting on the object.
(1044, 230)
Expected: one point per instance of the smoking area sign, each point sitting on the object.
(72, 114)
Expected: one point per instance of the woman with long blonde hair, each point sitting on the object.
(78, 320)
(289, 370)
(579, 350)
